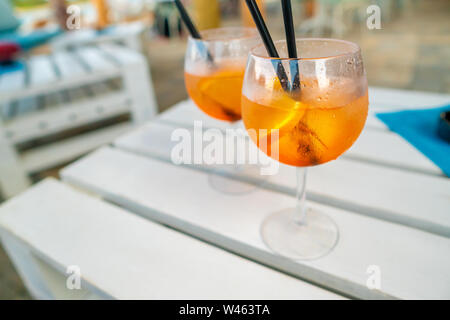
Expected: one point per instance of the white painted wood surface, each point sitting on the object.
(53, 120)
(186, 112)
(375, 190)
(124, 256)
(374, 186)
(53, 154)
(182, 198)
(387, 100)
(25, 264)
(386, 148)
(137, 80)
(390, 99)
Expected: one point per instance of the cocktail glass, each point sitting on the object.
(314, 125)
(214, 72)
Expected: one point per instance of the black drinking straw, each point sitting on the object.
(268, 43)
(187, 20)
(190, 26)
(290, 40)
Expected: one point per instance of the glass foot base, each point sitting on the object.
(312, 239)
(221, 179)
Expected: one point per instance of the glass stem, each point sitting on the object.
(300, 208)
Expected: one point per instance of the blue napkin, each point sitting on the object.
(419, 127)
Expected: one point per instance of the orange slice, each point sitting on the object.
(224, 88)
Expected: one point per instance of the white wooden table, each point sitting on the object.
(63, 91)
(139, 226)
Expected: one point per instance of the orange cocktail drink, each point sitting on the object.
(214, 70)
(315, 127)
(218, 91)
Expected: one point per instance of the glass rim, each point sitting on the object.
(255, 35)
(353, 49)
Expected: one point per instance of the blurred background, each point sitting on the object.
(410, 50)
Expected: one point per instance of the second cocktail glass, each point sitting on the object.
(214, 71)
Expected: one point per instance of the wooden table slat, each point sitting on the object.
(386, 148)
(396, 99)
(121, 255)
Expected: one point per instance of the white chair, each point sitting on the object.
(44, 106)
